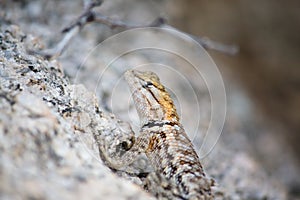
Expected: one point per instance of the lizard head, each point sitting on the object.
(152, 101)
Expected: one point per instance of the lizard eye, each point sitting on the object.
(148, 83)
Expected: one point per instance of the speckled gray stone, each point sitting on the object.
(46, 132)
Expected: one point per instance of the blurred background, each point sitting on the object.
(266, 72)
(262, 81)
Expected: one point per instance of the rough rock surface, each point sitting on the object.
(47, 129)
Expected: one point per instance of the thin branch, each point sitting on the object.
(112, 23)
(88, 16)
(70, 31)
(207, 43)
(60, 47)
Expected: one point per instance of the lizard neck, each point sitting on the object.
(167, 105)
(153, 107)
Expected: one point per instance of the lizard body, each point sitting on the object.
(164, 141)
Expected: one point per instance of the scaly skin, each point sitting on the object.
(178, 171)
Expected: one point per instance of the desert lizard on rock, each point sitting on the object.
(162, 138)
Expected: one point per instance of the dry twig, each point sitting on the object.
(88, 16)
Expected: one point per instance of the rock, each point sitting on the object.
(46, 129)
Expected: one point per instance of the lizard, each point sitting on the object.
(178, 171)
